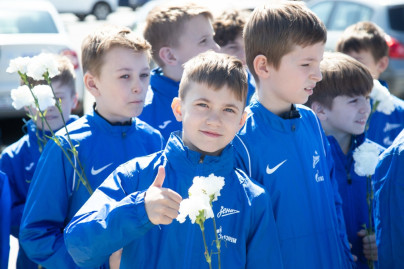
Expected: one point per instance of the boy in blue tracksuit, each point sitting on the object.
(282, 145)
(228, 27)
(176, 34)
(341, 102)
(20, 159)
(389, 205)
(5, 205)
(130, 206)
(116, 66)
(366, 42)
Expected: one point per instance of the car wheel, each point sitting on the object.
(81, 16)
(101, 10)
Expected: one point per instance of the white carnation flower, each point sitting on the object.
(366, 157)
(41, 64)
(18, 64)
(209, 186)
(192, 207)
(382, 95)
(44, 95)
(22, 97)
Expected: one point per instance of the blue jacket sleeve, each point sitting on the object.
(46, 210)
(389, 208)
(4, 220)
(338, 203)
(263, 249)
(109, 220)
(7, 165)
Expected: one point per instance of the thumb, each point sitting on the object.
(362, 233)
(159, 180)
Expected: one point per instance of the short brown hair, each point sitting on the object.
(274, 31)
(342, 75)
(215, 70)
(66, 76)
(228, 25)
(165, 24)
(364, 36)
(98, 43)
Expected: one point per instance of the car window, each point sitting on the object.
(323, 11)
(396, 18)
(23, 22)
(345, 14)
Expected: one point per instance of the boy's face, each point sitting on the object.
(235, 48)
(196, 37)
(68, 102)
(348, 115)
(121, 87)
(366, 57)
(210, 118)
(294, 80)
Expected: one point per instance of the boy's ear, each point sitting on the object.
(260, 64)
(320, 110)
(90, 83)
(176, 107)
(167, 56)
(243, 119)
(382, 64)
(75, 99)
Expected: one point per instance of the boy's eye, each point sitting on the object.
(305, 65)
(353, 101)
(144, 75)
(231, 110)
(203, 41)
(124, 76)
(202, 104)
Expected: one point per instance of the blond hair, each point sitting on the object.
(165, 24)
(215, 70)
(98, 43)
(274, 31)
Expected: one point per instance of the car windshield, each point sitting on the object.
(26, 22)
(397, 18)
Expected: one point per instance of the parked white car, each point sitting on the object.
(81, 8)
(28, 28)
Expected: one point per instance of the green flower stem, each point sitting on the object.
(207, 255)
(217, 239)
(374, 107)
(81, 175)
(369, 200)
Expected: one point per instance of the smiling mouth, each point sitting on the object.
(211, 134)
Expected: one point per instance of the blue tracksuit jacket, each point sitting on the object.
(55, 194)
(383, 129)
(19, 161)
(157, 110)
(353, 190)
(115, 217)
(291, 158)
(389, 205)
(5, 205)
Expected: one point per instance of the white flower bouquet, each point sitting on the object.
(40, 97)
(198, 207)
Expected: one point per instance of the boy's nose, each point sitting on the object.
(136, 86)
(215, 47)
(317, 76)
(365, 107)
(213, 118)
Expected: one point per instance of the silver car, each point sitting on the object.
(27, 29)
(389, 15)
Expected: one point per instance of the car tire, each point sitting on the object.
(81, 17)
(101, 10)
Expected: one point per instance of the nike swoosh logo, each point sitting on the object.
(164, 125)
(272, 170)
(95, 172)
(29, 167)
